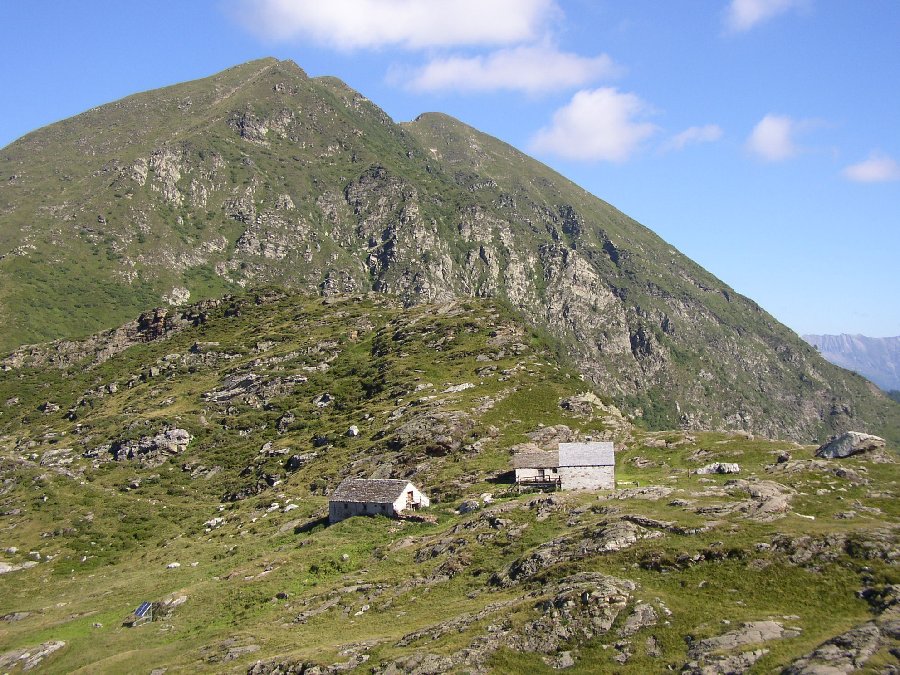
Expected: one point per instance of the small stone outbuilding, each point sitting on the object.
(574, 466)
(374, 497)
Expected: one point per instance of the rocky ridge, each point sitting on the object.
(260, 175)
(878, 359)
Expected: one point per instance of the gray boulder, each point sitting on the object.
(152, 450)
(719, 467)
(849, 444)
(469, 505)
(294, 462)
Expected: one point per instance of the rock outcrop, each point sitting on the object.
(29, 658)
(576, 608)
(436, 433)
(719, 467)
(157, 324)
(846, 653)
(724, 654)
(849, 444)
(149, 451)
(611, 537)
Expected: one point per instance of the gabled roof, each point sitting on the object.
(597, 453)
(369, 490)
(536, 459)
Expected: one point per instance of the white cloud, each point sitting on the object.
(532, 69)
(878, 168)
(743, 15)
(598, 124)
(772, 138)
(413, 24)
(705, 134)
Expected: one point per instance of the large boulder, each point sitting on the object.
(719, 467)
(469, 505)
(849, 444)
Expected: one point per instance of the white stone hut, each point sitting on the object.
(373, 497)
(537, 467)
(587, 466)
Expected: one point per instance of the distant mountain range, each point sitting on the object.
(875, 358)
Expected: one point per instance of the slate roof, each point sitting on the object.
(369, 490)
(597, 453)
(536, 459)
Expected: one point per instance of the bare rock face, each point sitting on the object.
(156, 324)
(177, 296)
(15, 616)
(577, 405)
(725, 665)
(814, 550)
(579, 607)
(7, 567)
(768, 500)
(642, 616)
(849, 444)
(753, 632)
(648, 492)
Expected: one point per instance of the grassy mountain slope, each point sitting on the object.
(666, 572)
(687, 332)
(262, 175)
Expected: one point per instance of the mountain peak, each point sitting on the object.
(255, 65)
(261, 175)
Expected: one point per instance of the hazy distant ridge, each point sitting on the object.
(875, 358)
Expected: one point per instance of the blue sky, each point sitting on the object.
(759, 137)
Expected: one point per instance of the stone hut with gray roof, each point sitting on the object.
(374, 497)
(587, 466)
(574, 466)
